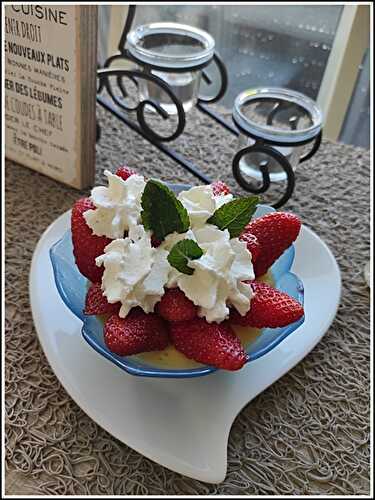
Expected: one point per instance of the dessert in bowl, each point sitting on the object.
(177, 281)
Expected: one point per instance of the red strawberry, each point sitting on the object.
(86, 245)
(138, 332)
(252, 244)
(220, 188)
(275, 232)
(96, 302)
(175, 306)
(269, 308)
(210, 343)
(125, 172)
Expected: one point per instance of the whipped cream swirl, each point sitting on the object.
(200, 203)
(135, 273)
(217, 281)
(118, 206)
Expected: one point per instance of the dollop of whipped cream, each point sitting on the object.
(200, 203)
(135, 273)
(217, 281)
(118, 206)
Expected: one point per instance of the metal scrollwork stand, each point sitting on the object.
(118, 107)
(272, 153)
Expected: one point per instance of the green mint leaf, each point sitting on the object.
(234, 215)
(162, 212)
(180, 254)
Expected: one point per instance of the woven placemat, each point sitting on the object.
(306, 434)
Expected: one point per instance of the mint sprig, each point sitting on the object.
(180, 254)
(235, 215)
(162, 212)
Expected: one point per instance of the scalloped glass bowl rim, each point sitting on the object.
(62, 261)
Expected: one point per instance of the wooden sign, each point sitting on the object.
(50, 89)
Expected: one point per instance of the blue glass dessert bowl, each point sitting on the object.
(72, 287)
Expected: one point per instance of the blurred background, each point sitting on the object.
(319, 50)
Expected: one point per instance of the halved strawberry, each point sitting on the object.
(97, 303)
(210, 343)
(138, 332)
(175, 306)
(275, 232)
(86, 245)
(269, 308)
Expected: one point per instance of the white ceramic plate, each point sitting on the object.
(182, 424)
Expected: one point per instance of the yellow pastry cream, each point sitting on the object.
(170, 358)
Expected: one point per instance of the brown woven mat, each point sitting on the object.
(306, 434)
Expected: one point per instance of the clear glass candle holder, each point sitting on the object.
(175, 53)
(280, 118)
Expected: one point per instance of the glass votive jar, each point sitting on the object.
(175, 53)
(281, 119)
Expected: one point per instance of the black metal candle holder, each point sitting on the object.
(117, 106)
